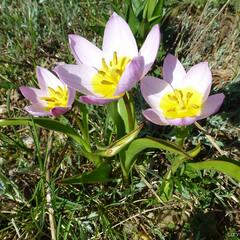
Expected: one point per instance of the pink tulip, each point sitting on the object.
(181, 98)
(53, 98)
(105, 75)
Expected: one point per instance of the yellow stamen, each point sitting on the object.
(57, 97)
(106, 80)
(180, 103)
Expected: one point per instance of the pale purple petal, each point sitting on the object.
(131, 75)
(118, 37)
(212, 105)
(153, 89)
(155, 116)
(182, 121)
(96, 100)
(32, 94)
(71, 96)
(199, 77)
(150, 47)
(47, 79)
(173, 71)
(78, 77)
(57, 111)
(37, 109)
(85, 52)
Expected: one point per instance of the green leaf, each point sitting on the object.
(117, 146)
(55, 126)
(179, 160)
(141, 144)
(133, 21)
(7, 85)
(45, 123)
(195, 151)
(227, 166)
(137, 6)
(166, 188)
(116, 118)
(158, 12)
(98, 175)
(122, 111)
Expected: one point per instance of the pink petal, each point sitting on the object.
(153, 89)
(118, 37)
(85, 52)
(212, 105)
(47, 79)
(77, 76)
(150, 47)
(57, 111)
(154, 116)
(173, 71)
(199, 77)
(96, 100)
(37, 109)
(32, 94)
(131, 75)
(182, 121)
(71, 97)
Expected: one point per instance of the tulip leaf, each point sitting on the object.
(122, 111)
(98, 175)
(158, 12)
(195, 151)
(133, 20)
(45, 123)
(166, 188)
(116, 118)
(137, 6)
(179, 160)
(141, 144)
(227, 166)
(117, 146)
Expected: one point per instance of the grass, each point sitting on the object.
(205, 205)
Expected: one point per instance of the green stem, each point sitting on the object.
(86, 143)
(131, 120)
(124, 171)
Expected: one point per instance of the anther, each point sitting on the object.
(115, 59)
(104, 65)
(106, 82)
(195, 106)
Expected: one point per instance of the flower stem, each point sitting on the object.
(131, 120)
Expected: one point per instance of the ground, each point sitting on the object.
(204, 205)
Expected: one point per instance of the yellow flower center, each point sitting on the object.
(106, 80)
(57, 97)
(181, 103)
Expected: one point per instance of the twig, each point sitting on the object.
(148, 185)
(48, 191)
(210, 138)
(15, 226)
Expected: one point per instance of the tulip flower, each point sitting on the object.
(53, 98)
(105, 75)
(181, 98)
